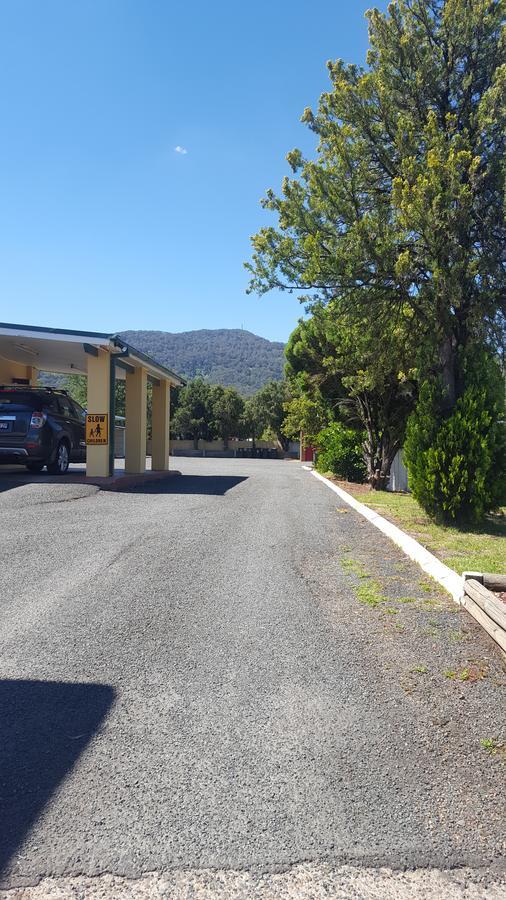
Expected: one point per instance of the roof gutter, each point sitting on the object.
(117, 341)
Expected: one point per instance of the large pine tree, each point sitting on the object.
(403, 205)
(400, 217)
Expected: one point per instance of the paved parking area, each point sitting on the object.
(190, 683)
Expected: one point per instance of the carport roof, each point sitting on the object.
(64, 350)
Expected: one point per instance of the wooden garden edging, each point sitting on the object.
(484, 606)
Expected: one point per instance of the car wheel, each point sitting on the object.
(61, 460)
(35, 466)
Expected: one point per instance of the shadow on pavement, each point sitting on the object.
(189, 484)
(45, 726)
(11, 480)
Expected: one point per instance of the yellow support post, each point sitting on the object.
(136, 412)
(160, 426)
(98, 402)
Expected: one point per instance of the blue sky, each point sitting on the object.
(103, 224)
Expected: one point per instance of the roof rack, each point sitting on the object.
(33, 387)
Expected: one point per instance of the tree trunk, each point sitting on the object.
(379, 456)
(382, 476)
(284, 442)
(447, 358)
(369, 456)
(225, 443)
(379, 480)
(195, 442)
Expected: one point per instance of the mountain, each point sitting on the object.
(228, 356)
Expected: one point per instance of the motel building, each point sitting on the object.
(26, 350)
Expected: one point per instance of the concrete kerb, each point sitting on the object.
(446, 577)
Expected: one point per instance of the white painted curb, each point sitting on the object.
(446, 577)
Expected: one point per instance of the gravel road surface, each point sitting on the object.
(195, 697)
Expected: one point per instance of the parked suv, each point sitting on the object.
(41, 427)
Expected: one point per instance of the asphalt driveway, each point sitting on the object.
(190, 682)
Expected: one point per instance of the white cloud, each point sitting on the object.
(181, 150)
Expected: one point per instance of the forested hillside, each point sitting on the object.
(228, 356)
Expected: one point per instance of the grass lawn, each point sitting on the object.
(479, 549)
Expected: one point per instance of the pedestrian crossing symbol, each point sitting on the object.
(97, 428)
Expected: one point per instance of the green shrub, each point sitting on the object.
(340, 452)
(456, 461)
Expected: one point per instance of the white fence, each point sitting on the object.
(398, 475)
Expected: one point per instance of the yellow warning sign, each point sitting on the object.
(97, 428)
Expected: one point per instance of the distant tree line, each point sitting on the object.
(209, 412)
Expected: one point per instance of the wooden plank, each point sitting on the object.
(485, 599)
(495, 632)
(494, 582)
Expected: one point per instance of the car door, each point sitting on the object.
(70, 425)
(80, 418)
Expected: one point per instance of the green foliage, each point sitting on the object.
(265, 412)
(493, 746)
(456, 459)
(304, 414)
(206, 411)
(340, 452)
(370, 593)
(194, 414)
(252, 422)
(227, 409)
(337, 364)
(404, 204)
(270, 401)
(398, 225)
(231, 357)
(76, 385)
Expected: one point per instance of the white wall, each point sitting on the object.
(398, 474)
